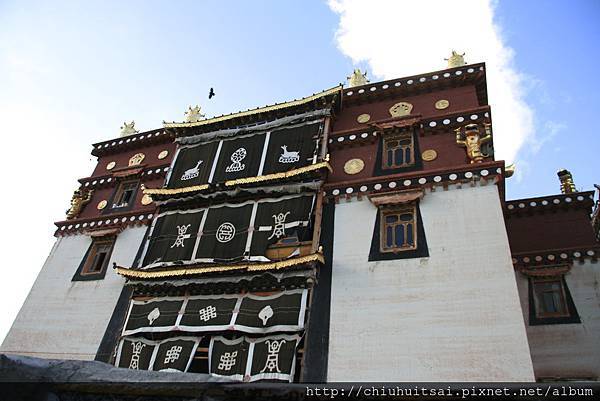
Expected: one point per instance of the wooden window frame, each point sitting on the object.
(397, 209)
(563, 298)
(397, 137)
(121, 190)
(86, 270)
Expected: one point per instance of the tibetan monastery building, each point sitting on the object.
(358, 234)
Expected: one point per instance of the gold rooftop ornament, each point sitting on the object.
(128, 129)
(456, 60)
(193, 115)
(79, 199)
(357, 78)
(567, 186)
(472, 141)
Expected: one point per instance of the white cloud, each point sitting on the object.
(398, 38)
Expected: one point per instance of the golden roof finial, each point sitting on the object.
(128, 129)
(456, 60)
(567, 185)
(357, 78)
(193, 115)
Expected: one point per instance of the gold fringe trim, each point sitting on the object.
(130, 273)
(230, 183)
(277, 176)
(265, 109)
(172, 191)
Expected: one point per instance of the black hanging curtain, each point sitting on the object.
(225, 233)
(239, 158)
(173, 237)
(291, 148)
(173, 354)
(152, 316)
(193, 165)
(284, 311)
(246, 359)
(284, 221)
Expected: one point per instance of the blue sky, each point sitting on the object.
(72, 72)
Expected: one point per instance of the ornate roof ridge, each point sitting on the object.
(264, 109)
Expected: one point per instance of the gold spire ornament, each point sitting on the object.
(193, 115)
(128, 129)
(509, 170)
(456, 60)
(357, 78)
(80, 198)
(567, 186)
(472, 141)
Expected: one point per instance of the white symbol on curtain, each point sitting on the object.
(152, 316)
(265, 314)
(279, 225)
(227, 360)
(225, 232)
(135, 357)
(288, 157)
(182, 236)
(236, 161)
(173, 354)
(210, 312)
(273, 356)
(192, 172)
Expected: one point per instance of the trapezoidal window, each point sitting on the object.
(398, 229)
(94, 263)
(549, 298)
(125, 194)
(398, 151)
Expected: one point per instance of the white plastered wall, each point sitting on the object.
(568, 351)
(67, 319)
(453, 316)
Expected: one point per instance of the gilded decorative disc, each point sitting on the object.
(136, 159)
(111, 165)
(354, 166)
(401, 109)
(429, 155)
(102, 204)
(163, 154)
(363, 118)
(146, 200)
(442, 104)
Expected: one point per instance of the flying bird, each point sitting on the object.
(211, 93)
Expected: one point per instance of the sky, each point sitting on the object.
(71, 72)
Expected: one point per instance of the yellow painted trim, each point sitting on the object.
(179, 272)
(248, 180)
(265, 109)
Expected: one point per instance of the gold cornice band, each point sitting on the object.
(130, 273)
(249, 180)
(277, 176)
(265, 109)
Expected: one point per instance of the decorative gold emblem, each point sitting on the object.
(357, 78)
(509, 170)
(146, 199)
(567, 185)
(79, 199)
(163, 154)
(442, 104)
(473, 140)
(101, 205)
(363, 118)
(111, 165)
(136, 159)
(128, 129)
(193, 115)
(456, 60)
(354, 166)
(429, 155)
(401, 109)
